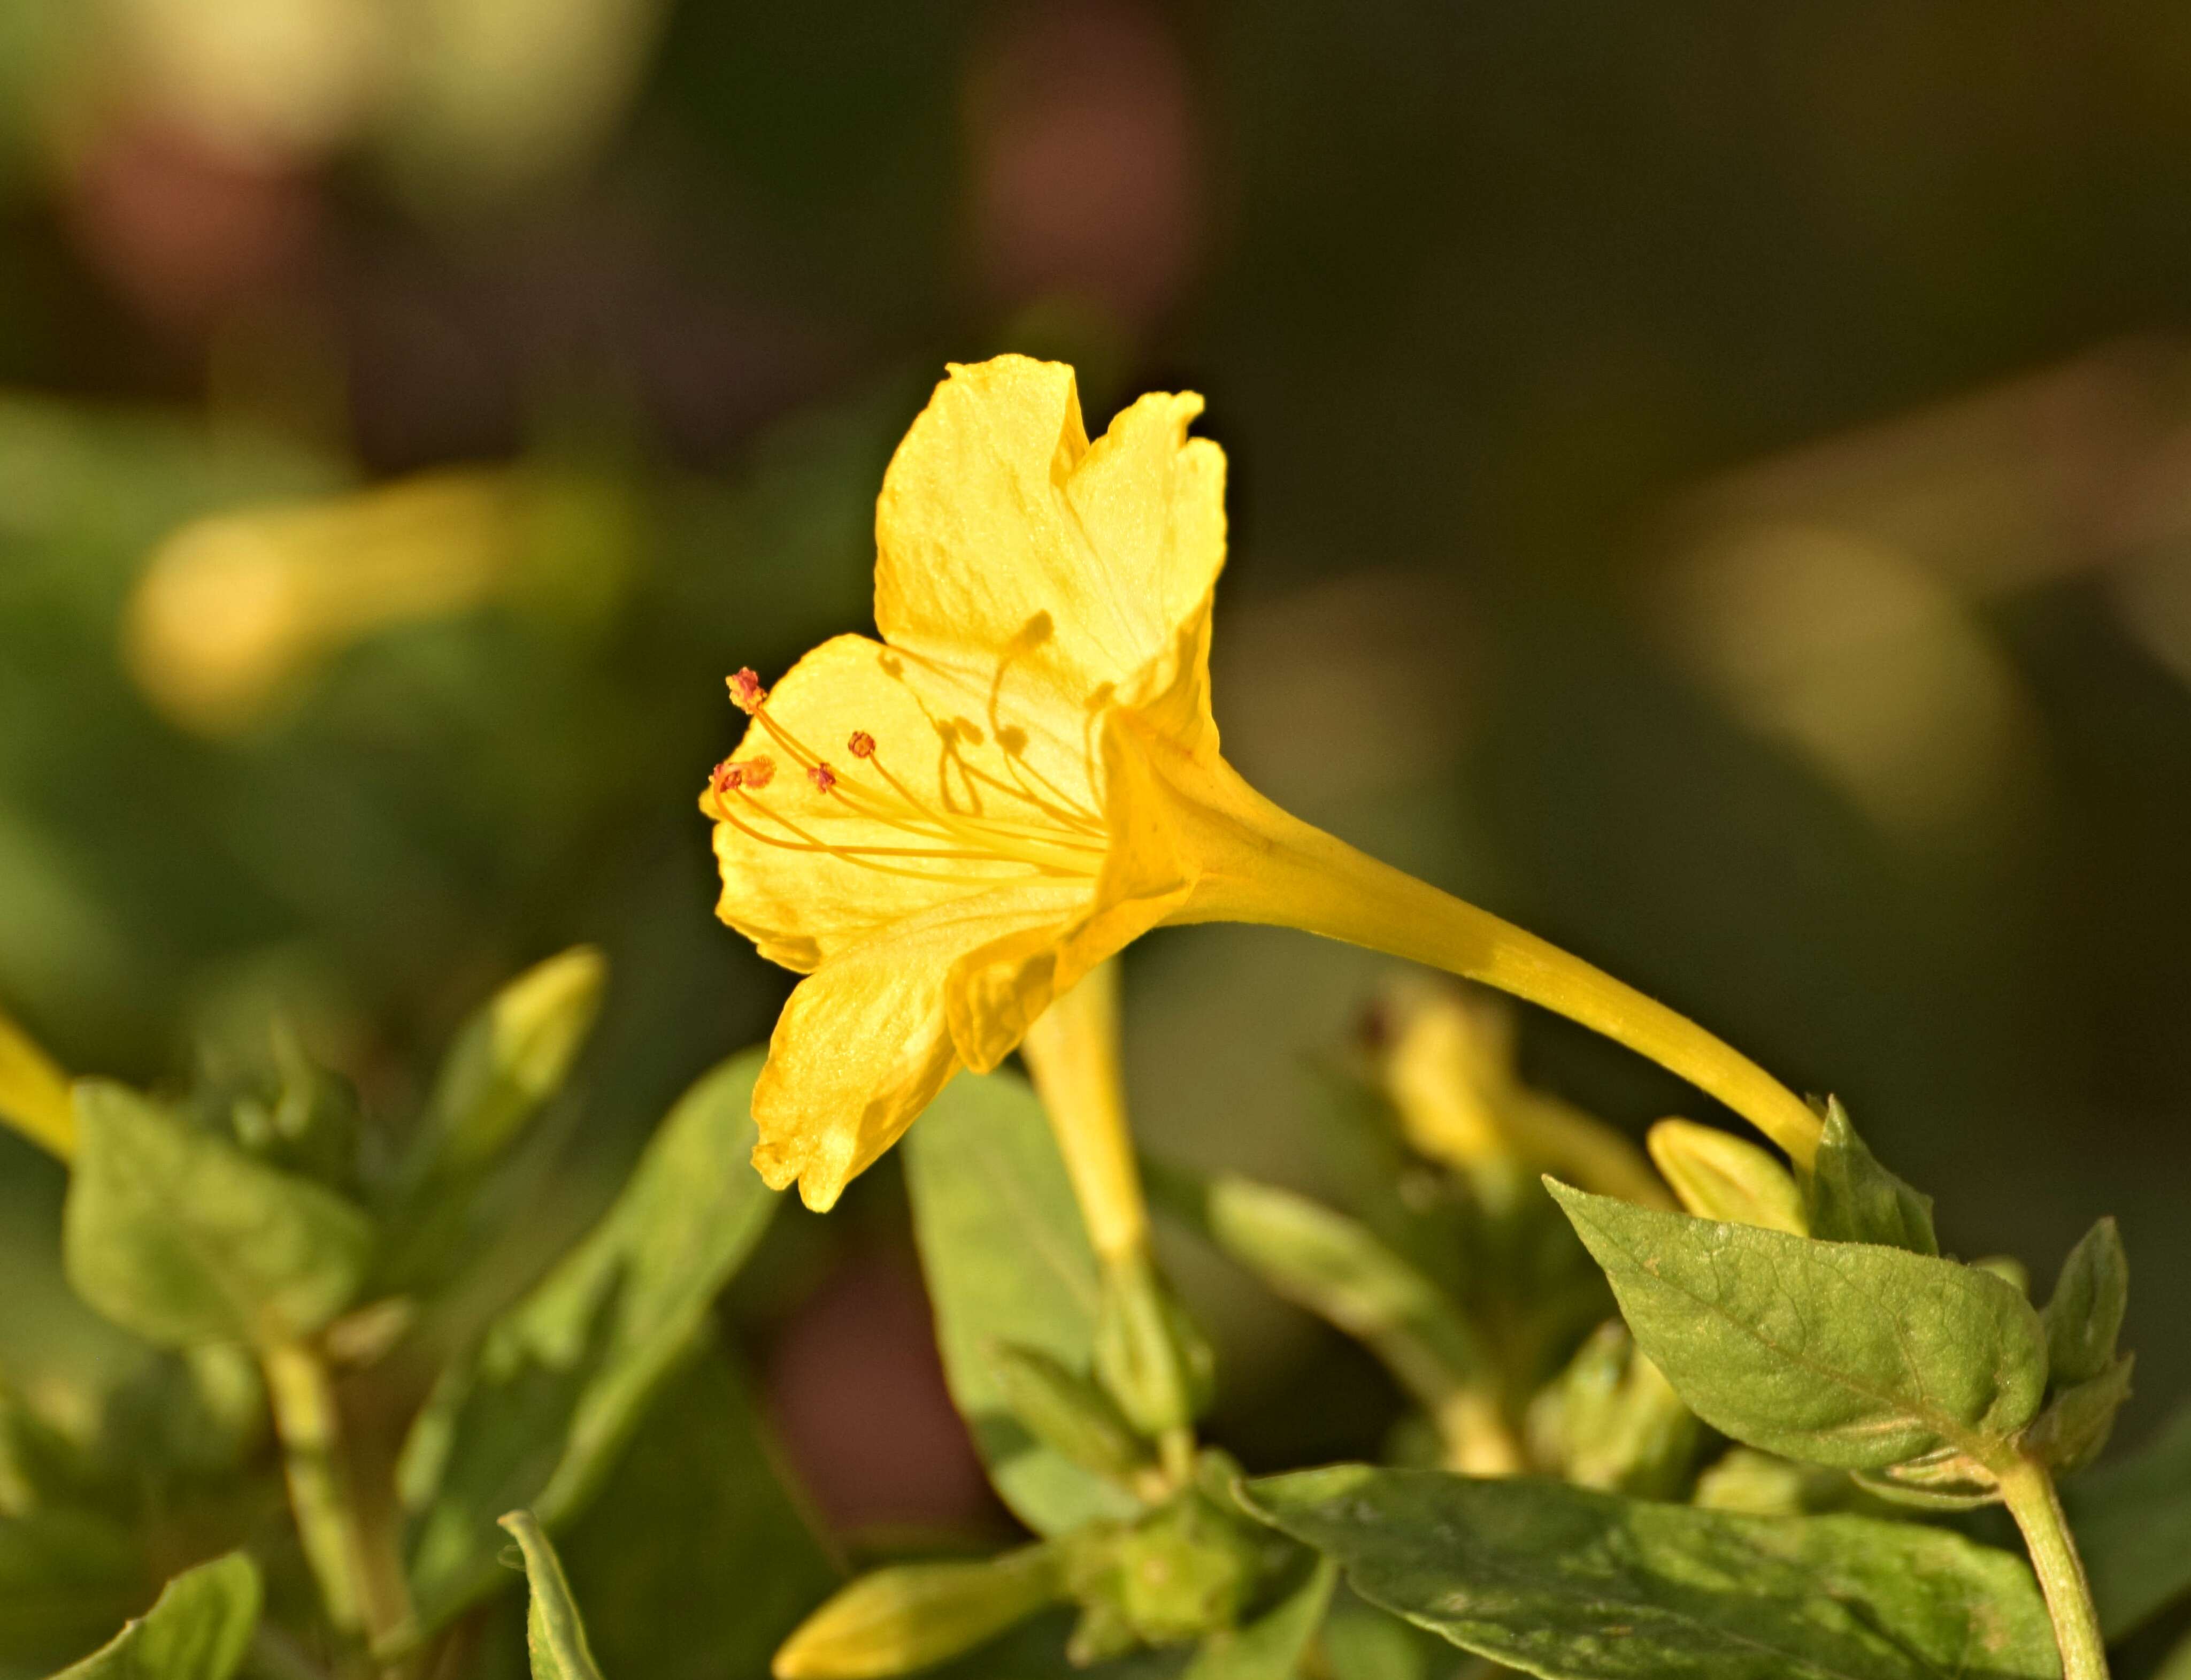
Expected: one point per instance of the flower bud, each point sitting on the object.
(1611, 1420)
(1718, 1175)
(898, 1620)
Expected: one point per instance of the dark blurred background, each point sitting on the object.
(1711, 482)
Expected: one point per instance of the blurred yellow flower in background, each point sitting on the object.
(34, 1093)
(946, 829)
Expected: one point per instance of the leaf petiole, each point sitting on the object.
(2028, 1490)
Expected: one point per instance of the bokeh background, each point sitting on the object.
(1711, 482)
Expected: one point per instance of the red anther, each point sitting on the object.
(759, 771)
(725, 776)
(862, 745)
(822, 777)
(746, 692)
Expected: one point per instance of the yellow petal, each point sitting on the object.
(34, 1093)
(865, 1042)
(948, 807)
(1000, 530)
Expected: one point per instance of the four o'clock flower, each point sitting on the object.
(946, 829)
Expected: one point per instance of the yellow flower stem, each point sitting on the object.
(1274, 868)
(34, 1093)
(1072, 1052)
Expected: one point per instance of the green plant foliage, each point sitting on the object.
(1338, 1269)
(1575, 1584)
(1272, 1647)
(1839, 1353)
(509, 1058)
(1849, 1198)
(693, 1561)
(2132, 1520)
(554, 1636)
(1070, 1414)
(2083, 1316)
(1007, 1262)
(199, 1629)
(559, 1381)
(183, 1237)
(67, 1578)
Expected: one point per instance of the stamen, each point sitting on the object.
(862, 745)
(758, 772)
(823, 778)
(725, 776)
(746, 693)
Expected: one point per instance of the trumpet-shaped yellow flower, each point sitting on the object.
(947, 829)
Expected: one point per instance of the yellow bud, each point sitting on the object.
(1449, 1073)
(1450, 1061)
(235, 610)
(1718, 1175)
(34, 1093)
(898, 1620)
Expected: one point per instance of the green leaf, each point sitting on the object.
(2085, 1314)
(509, 1058)
(555, 1637)
(1567, 1583)
(1849, 1198)
(555, 1388)
(1840, 1354)
(1271, 1646)
(183, 1237)
(1612, 1422)
(198, 1629)
(2132, 1521)
(1006, 1261)
(2073, 1429)
(67, 1578)
(693, 1561)
(1361, 1642)
(1337, 1269)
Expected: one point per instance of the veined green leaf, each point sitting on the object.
(554, 1636)
(1574, 1585)
(2132, 1520)
(183, 1237)
(198, 1629)
(1849, 1198)
(1006, 1261)
(1840, 1354)
(555, 1388)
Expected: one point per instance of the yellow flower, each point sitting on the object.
(34, 1093)
(945, 829)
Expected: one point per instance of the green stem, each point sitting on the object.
(2029, 1492)
(361, 1598)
